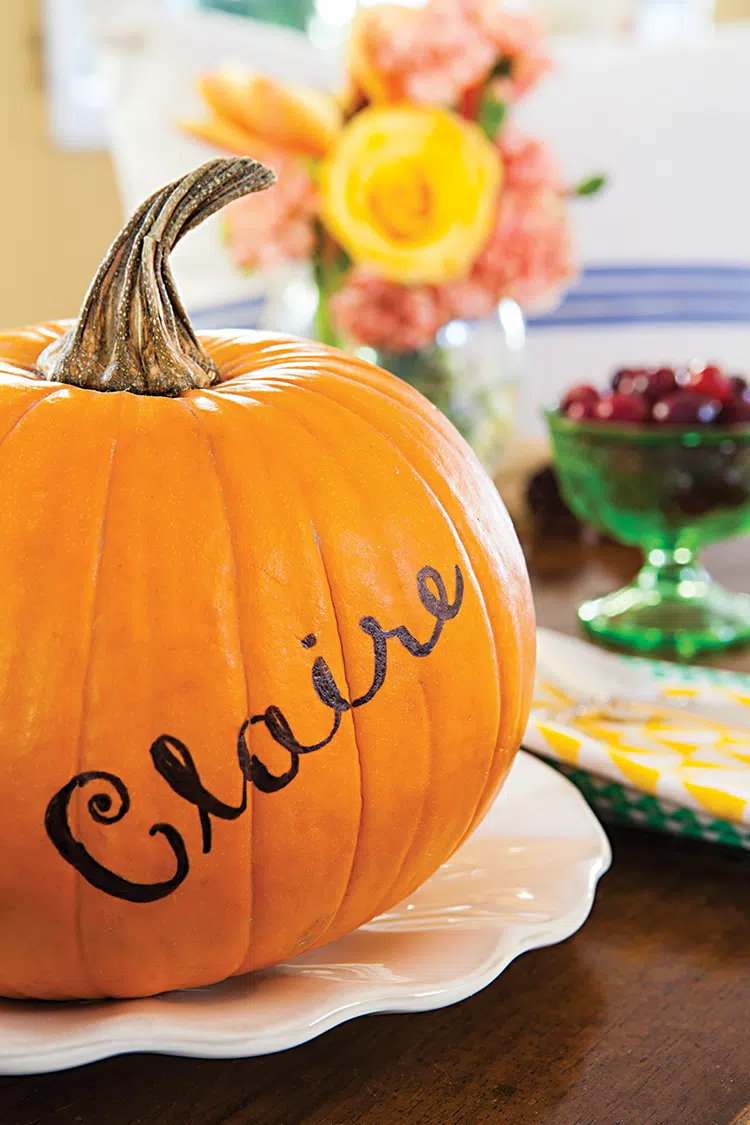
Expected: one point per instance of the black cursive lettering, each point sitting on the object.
(439, 607)
(327, 690)
(100, 810)
(174, 763)
(278, 727)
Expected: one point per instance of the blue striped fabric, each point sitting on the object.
(704, 293)
(607, 294)
(234, 314)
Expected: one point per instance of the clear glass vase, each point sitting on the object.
(472, 371)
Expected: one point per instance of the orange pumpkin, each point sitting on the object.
(266, 637)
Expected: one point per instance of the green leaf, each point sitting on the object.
(288, 13)
(338, 269)
(329, 271)
(590, 186)
(491, 115)
(313, 167)
(331, 263)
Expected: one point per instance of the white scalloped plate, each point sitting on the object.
(525, 879)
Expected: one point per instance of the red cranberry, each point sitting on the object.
(709, 382)
(736, 411)
(661, 382)
(686, 406)
(626, 373)
(582, 393)
(581, 409)
(549, 513)
(652, 384)
(635, 384)
(693, 499)
(622, 408)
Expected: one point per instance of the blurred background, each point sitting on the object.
(657, 92)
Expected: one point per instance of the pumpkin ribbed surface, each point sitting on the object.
(178, 566)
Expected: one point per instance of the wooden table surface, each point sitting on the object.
(642, 1018)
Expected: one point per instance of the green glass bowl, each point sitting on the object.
(669, 490)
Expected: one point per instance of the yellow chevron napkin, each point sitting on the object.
(685, 745)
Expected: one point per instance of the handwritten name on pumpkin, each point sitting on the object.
(174, 763)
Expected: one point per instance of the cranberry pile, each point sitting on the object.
(697, 394)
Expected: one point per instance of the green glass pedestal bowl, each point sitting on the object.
(670, 490)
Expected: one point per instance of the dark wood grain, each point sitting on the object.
(642, 1018)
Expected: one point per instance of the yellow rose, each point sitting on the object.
(411, 192)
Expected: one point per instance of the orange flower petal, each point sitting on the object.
(299, 119)
(227, 136)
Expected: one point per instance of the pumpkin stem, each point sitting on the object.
(133, 333)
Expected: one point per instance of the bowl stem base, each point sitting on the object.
(673, 606)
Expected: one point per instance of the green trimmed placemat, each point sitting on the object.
(621, 804)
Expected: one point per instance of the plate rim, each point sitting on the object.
(100, 1043)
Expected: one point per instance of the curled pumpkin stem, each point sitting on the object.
(133, 333)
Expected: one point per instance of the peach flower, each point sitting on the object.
(428, 55)
(529, 163)
(518, 38)
(528, 255)
(277, 225)
(439, 53)
(382, 314)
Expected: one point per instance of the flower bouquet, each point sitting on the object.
(427, 218)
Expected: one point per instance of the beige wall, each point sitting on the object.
(733, 9)
(58, 210)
